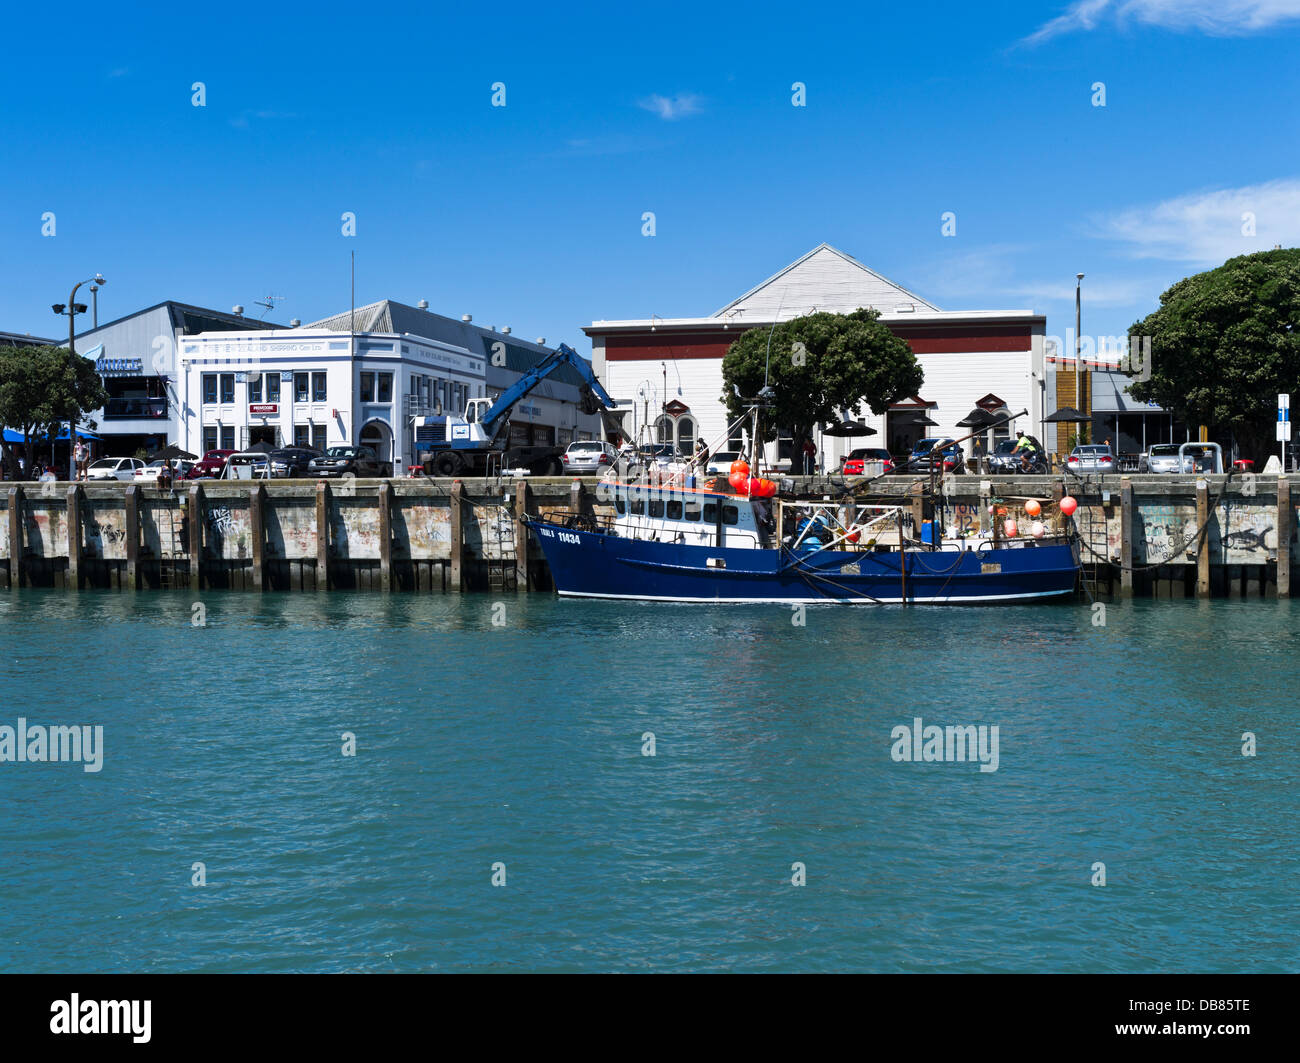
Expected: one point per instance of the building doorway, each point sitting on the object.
(263, 433)
(379, 437)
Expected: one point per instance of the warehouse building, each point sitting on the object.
(668, 371)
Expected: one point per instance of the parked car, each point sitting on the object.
(349, 461)
(114, 469)
(660, 454)
(1005, 458)
(247, 465)
(928, 451)
(719, 464)
(149, 474)
(288, 462)
(1091, 457)
(211, 464)
(588, 457)
(855, 463)
(1163, 458)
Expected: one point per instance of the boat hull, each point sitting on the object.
(588, 564)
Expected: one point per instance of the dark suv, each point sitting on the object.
(349, 461)
(942, 454)
(289, 462)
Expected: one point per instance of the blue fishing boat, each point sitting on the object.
(674, 542)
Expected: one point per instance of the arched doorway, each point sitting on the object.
(379, 436)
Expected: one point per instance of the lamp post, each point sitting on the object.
(73, 308)
(1078, 316)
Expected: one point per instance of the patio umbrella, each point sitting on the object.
(259, 448)
(1068, 414)
(170, 452)
(977, 418)
(849, 428)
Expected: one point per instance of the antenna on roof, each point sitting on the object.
(269, 302)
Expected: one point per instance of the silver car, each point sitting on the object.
(1091, 458)
(588, 457)
(1163, 457)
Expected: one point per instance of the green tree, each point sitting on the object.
(1223, 344)
(41, 389)
(818, 365)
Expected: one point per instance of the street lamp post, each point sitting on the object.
(1078, 339)
(73, 308)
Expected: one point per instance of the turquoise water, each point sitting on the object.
(521, 742)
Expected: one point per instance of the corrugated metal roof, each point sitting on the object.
(387, 315)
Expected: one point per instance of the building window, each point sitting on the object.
(564, 437)
(318, 436)
(385, 388)
(210, 390)
(543, 435)
(228, 437)
(686, 435)
(318, 387)
(255, 387)
(209, 438)
(367, 387)
(301, 386)
(272, 387)
(302, 435)
(227, 387)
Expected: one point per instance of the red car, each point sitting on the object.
(211, 464)
(854, 463)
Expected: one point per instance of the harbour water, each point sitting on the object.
(511, 731)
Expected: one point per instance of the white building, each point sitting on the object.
(671, 368)
(318, 387)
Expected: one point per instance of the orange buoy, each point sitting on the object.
(761, 488)
(1032, 508)
(741, 466)
(1069, 505)
(1009, 526)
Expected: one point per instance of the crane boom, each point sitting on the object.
(562, 355)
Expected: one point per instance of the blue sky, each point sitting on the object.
(529, 215)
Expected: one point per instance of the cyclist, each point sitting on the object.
(1027, 450)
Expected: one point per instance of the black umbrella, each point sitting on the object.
(259, 448)
(977, 418)
(849, 428)
(1068, 414)
(171, 452)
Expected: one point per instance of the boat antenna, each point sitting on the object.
(767, 361)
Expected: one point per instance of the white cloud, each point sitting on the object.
(671, 108)
(1209, 227)
(984, 275)
(1220, 18)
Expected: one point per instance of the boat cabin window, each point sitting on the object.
(730, 515)
(620, 506)
(674, 510)
(656, 507)
(711, 513)
(636, 506)
(691, 511)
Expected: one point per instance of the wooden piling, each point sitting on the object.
(1285, 524)
(386, 536)
(456, 582)
(15, 536)
(1126, 537)
(322, 536)
(194, 518)
(257, 531)
(131, 522)
(1203, 539)
(74, 536)
(521, 536)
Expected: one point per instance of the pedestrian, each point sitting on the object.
(809, 456)
(81, 454)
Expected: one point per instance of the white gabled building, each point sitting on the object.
(667, 372)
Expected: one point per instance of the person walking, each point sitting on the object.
(81, 454)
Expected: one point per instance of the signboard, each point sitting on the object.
(286, 375)
(1283, 418)
(264, 407)
(119, 366)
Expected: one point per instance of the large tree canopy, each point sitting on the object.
(42, 388)
(1223, 344)
(819, 365)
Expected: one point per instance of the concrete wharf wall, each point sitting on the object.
(1138, 534)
